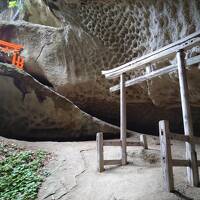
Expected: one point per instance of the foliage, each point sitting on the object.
(20, 172)
(12, 4)
(4, 4)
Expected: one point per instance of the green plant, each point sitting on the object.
(4, 4)
(20, 173)
(12, 4)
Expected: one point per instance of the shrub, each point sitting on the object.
(20, 173)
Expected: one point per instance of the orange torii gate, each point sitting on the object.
(13, 50)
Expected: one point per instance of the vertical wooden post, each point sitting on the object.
(123, 118)
(100, 159)
(143, 140)
(166, 157)
(192, 171)
(14, 58)
(149, 69)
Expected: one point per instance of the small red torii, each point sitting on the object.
(13, 50)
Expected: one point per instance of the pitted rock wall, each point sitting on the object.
(128, 29)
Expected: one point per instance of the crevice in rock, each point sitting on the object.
(77, 175)
(42, 80)
(40, 52)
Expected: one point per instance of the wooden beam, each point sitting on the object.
(12, 45)
(195, 140)
(180, 163)
(112, 143)
(112, 162)
(184, 138)
(100, 159)
(123, 119)
(150, 58)
(166, 157)
(130, 143)
(145, 77)
(156, 73)
(192, 172)
(143, 140)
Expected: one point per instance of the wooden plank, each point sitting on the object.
(185, 138)
(192, 172)
(112, 162)
(192, 61)
(180, 163)
(195, 140)
(112, 143)
(179, 42)
(166, 158)
(143, 140)
(156, 73)
(100, 161)
(130, 143)
(169, 53)
(123, 119)
(179, 137)
(145, 77)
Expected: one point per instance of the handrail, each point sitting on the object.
(167, 51)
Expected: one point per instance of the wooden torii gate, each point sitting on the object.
(176, 49)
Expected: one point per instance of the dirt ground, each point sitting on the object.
(74, 175)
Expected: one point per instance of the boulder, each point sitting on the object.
(30, 110)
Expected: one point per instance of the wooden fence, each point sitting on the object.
(100, 150)
(166, 155)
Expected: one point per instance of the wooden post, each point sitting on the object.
(192, 172)
(166, 157)
(100, 159)
(149, 69)
(123, 118)
(143, 140)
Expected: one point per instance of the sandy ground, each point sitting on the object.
(74, 175)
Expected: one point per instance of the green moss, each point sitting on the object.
(12, 4)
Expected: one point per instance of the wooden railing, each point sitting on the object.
(166, 155)
(101, 143)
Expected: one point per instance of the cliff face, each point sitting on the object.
(78, 39)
